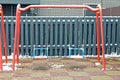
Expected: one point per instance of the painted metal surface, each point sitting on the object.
(3, 41)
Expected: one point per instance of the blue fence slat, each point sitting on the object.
(22, 36)
(12, 33)
(41, 32)
(89, 37)
(36, 35)
(85, 36)
(109, 36)
(94, 36)
(61, 36)
(70, 37)
(26, 36)
(76, 33)
(118, 37)
(66, 38)
(113, 34)
(7, 33)
(31, 34)
(56, 37)
(51, 37)
(105, 34)
(80, 35)
(46, 34)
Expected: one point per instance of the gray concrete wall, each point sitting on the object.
(73, 12)
(19, 1)
(111, 3)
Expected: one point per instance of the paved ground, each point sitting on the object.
(64, 69)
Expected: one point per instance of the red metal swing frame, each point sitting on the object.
(99, 28)
(3, 37)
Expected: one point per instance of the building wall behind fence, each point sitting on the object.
(74, 12)
(60, 33)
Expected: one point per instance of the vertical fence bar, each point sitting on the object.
(56, 37)
(113, 34)
(65, 53)
(31, 34)
(89, 36)
(46, 34)
(109, 36)
(118, 37)
(36, 34)
(61, 37)
(85, 36)
(80, 32)
(41, 32)
(7, 34)
(51, 37)
(22, 36)
(76, 33)
(12, 33)
(26, 35)
(70, 37)
(105, 33)
(94, 37)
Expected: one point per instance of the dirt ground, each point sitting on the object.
(64, 69)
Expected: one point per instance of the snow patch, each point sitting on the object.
(8, 66)
(57, 66)
(78, 56)
(108, 69)
(97, 64)
(40, 57)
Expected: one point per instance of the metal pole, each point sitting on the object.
(16, 41)
(4, 34)
(102, 36)
(98, 36)
(1, 68)
(18, 25)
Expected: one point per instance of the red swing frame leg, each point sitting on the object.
(98, 36)
(3, 36)
(102, 37)
(17, 39)
(1, 68)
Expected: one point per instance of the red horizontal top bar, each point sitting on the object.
(58, 6)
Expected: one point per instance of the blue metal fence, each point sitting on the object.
(59, 33)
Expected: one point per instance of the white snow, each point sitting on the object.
(8, 66)
(40, 57)
(97, 63)
(20, 57)
(108, 69)
(56, 66)
(78, 56)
